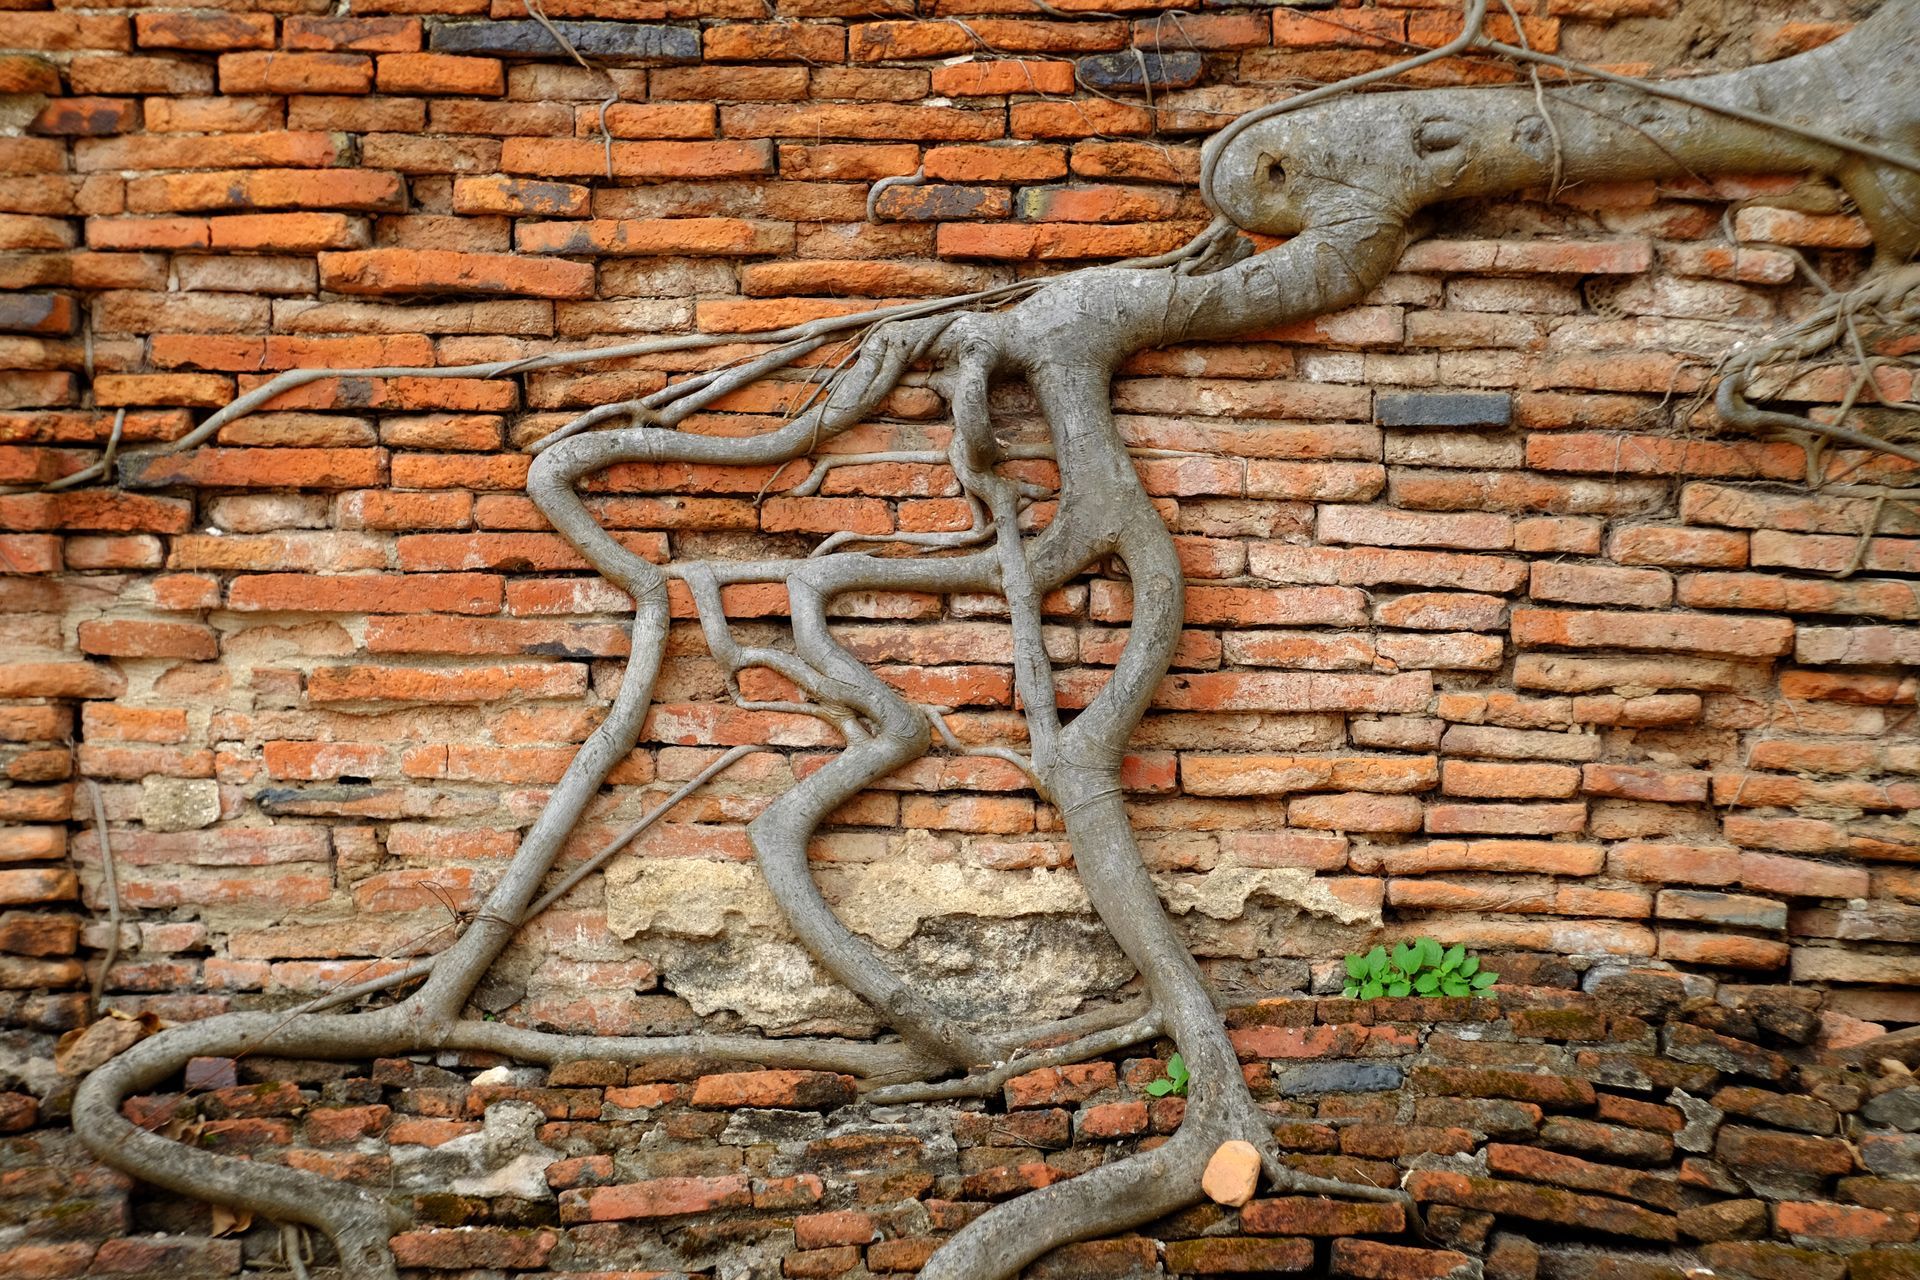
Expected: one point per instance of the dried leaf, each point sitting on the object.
(81, 1050)
(183, 1126)
(228, 1221)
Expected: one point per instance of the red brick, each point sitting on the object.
(901, 1255)
(204, 31)
(1699, 548)
(656, 1198)
(824, 1230)
(286, 232)
(356, 35)
(86, 118)
(783, 42)
(263, 468)
(414, 271)
(1374, 1260)
(1365, 28)
(1853, 1224)
(440, 73)
(519, 197)
(467, 1247)
(1310, 1216)
(808, 1090)
(1541, 1204)
(1615, 454)
(678, 236)
(1660, 632)
(1003, 76)
(29, 553)
(266, 189)
(1788, 226)
(1031, 163)
(27, 886)
(1530, 257)
(22, 74)
(129, 639)
(1111, 1120)
(295, 73)
(48, 1261)
(462, 684)
(1052, 1086)
(162, 1255)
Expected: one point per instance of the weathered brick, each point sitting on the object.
(655, 1198)
(414, 271)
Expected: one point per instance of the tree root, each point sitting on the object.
(1892, 296)
(1065, 338)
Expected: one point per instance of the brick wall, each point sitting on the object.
(1654, 1129)
(1490, 638)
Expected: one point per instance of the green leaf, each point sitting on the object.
(1429, 952)
(1177, 1069)
(1427, 983)
(1454, 956)
(1372, 990)
(1356, 966)
(1351, 990)
(1160, 1088)
(1484, 979)
(1377, 962)
(1454, 986)
(1399, 989)
(1406, 957)
(1469, 966)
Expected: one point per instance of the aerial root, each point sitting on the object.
(987, 1083)
(1891, 297)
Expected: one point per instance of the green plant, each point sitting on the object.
(1419, 967)
(1174, 1082)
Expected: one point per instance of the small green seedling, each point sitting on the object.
(1419, 968)
(1174, 1082)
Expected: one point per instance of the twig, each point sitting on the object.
(110, 881)
(295, 1249)
(539, 14)
(913, 179)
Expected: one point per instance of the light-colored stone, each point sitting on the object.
(1223, 894)
(179, 804)
(997, 946)
(506, 1158)
(1232, 1174)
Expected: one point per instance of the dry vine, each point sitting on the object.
(1343, 175)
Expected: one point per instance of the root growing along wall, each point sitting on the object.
(1493, 632)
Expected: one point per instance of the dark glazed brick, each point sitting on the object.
(1444, 409)
(1337, 1077)
(1123, 71)
(595, 39)
(37, 313)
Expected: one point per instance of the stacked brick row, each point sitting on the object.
(1488, 630)
(1637, 1133)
